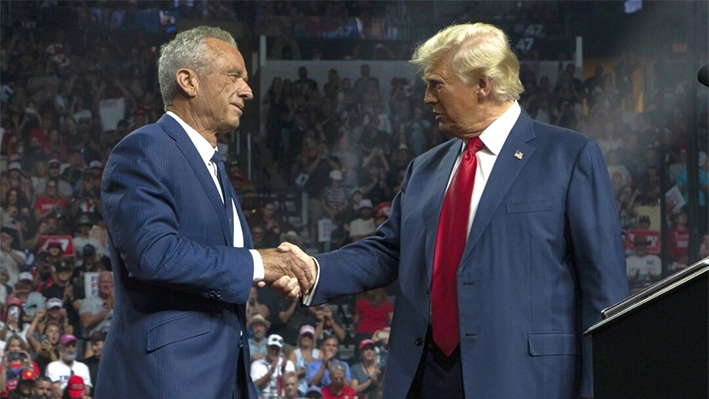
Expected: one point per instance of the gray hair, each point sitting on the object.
(187, 50)
(337, 367)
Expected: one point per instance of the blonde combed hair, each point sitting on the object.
(481, 50)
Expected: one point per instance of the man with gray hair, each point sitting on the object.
(180, 247)
(505, 240)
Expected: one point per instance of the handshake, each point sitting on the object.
(288, 270)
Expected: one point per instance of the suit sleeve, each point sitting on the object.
(141, 215)
(594, 231)
(365, 264)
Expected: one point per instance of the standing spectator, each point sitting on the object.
(15, 359)
(25, 385)
(361, 84)
(267, 373)
(97, 311)
(63, 189)
(293, 317)
(642, 268)
(257, 343)
(14, 321)
(70, 296)
(44, 347)
(82, 238)
(364, 225)
(96, 339)
(254, 306)
(67, 365)
(339, 386)
(679, 241)
(334, 198)
(10, 256)
(328, 323)
(49, 203)
(318, 373)
(304, 354)
(372, 312)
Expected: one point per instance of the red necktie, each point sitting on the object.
(450, 243)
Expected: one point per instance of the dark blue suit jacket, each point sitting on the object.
(181, 287)
(542, 259)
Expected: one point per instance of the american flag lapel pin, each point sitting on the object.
(519, 154)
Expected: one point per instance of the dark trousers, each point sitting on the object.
(438, 376)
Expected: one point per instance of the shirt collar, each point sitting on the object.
(205, 150)
(495, 135)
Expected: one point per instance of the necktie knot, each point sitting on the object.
(217, 158)
(474, 145)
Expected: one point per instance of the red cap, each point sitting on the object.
(366, 342)
(76, 387)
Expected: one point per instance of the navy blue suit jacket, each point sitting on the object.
(181, 287)
(542, 259)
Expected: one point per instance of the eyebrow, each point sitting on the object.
(239, 73)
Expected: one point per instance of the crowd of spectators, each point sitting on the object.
(67, 99)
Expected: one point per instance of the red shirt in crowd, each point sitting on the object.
(43, 204)
(679, 242)
(372, 318)
(347, 393)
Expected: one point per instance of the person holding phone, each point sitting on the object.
(44, 346)
(15, 359)
(14, 320)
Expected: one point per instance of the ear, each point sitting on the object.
(187, 82)
(484, 87)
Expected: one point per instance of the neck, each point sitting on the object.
(194, 120)
(367, 363)
(490, 112)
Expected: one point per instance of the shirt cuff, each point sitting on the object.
(308, 298)
(259, 271)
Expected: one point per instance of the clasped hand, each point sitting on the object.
(288, 270)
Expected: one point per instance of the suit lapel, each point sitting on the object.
(507, 167)
(434, 200)
(183, 142)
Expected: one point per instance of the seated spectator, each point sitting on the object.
(257, 343)
(67, 366)
(382, 212)
(313, 392)
(97, 311)
(43, 388)
(339, 386)
(267, 372)
(304, 354)
(290, 386)
(76, 388)
(318, 373)
(82, 238)
(366, 375)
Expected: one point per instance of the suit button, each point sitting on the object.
(212, 294)
(419, 341)
(428, 292)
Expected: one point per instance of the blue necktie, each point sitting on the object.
(226, 190)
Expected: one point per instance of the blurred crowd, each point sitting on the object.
(68, 98)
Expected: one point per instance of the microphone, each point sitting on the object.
(703, 75)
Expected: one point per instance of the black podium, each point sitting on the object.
(654, 344)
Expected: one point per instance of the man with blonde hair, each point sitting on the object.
(505, 240)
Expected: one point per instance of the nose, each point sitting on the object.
(245, 92)
(428, 97)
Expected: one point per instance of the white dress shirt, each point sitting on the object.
(206, 152)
